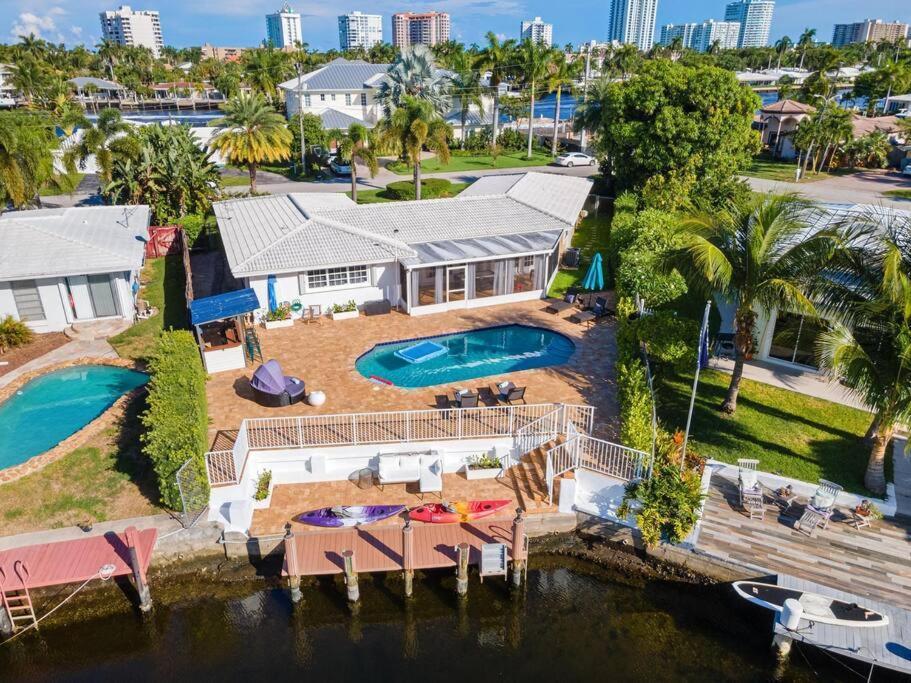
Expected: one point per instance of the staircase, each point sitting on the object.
(15, 598)
(528, 478)
(251, 343)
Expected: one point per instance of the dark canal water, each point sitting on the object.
(574, 623)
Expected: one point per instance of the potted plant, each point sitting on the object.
(344, 311)
(280, 317)
(483, 466)
(868, 510)
(262, 496)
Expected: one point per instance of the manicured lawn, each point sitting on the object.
(591, 236)
(163, 287)
(235, 180)
(378, 196)
(784, 171)
(898, 194)
(481, 162)
(68, 185)
(789, 433)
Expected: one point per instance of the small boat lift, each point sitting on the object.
(493, 560)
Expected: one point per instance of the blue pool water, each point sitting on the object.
(50, 408)
(478, 353)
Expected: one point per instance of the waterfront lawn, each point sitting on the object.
(789, 433)
(590, 236)
(108, 478)
(475, 162)
(379, 196)
(163, 287)
(898, 194)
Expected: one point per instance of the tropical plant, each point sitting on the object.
(497, 58)
(13, 334)
(27, 147)
(804, 43)
(28, 76)
(868, 151)
(354, 145)
(254, 133)
(264, 68)
(561, 74)
(465, 84)
(263, 482)
(96, 141)
(413, 125)
(756, 253)
(535, 59)
(782, 45)
(413, 74)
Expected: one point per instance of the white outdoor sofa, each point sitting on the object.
(402, 468)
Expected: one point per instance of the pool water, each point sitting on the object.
(54, 406)
(490, 351)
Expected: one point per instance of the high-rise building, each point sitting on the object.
(755, 17)
(222, 54)
(869, 31)
(633, 21)
(140, 28)
(359, 30)
(702, 36)
(427, 28)
(538, 32)
(283, 28)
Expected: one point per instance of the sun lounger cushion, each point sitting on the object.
(822, 500)
(748, 479)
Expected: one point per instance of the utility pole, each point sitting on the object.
(299, 68)
(588, 62)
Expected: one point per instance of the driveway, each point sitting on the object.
(864, 187)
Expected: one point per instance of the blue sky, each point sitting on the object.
(241, 22)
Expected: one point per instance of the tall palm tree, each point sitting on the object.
(264, 68)
(96, 141)
(496, 57)
(561, 74)
(805, 42)
(254, 133)
(465, 84)
(354, 145)
(534, 59)
(414, 74)
(624, 60)
(782, 45)
(33, 46)
(754, 253)
(415, 125)
(28, 77)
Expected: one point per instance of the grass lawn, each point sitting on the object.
(784, 171)
(789, 433)
(591, 236)
(481, 162)
(163, 287)
(235, 180)
(898, 194)
(108, 478)
(68, 185)
(378, 196)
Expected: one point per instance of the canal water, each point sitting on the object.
(575, 622)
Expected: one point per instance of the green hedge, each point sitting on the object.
(176, 420)
(431, 188)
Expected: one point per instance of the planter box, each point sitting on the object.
(274, 324)
(486, 473)
(347, 315)
(265, 503)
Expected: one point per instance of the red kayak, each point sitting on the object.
(458, 511)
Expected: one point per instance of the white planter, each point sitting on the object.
(347, 315)
(274, 324)
(486, 473)
(263, 504)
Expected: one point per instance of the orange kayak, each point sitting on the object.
(457, 511)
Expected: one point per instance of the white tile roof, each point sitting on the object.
(293, 232)
(339, 74)
(72, 241)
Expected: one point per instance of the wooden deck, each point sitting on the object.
(889, 646)
(871, 563)
(54, 564)
(380, 549)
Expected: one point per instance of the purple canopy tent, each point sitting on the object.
(274, 389)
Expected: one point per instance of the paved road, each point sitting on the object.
(865, 187)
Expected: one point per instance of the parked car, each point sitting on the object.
(571, 159)
(340, 166)
(904, 114)
(907, 170)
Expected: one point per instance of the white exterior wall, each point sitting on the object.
(477, 303)
(321, 100)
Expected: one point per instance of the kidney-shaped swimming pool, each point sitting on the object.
(469, 355)
(48, 409)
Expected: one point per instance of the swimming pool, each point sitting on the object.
(48, 409)
(476, 353)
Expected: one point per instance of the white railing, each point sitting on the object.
(537, 433)
(582, 417)
(220, 467)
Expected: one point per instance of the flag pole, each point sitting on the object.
(701, 358)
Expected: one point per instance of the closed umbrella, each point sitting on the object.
(273, 298)
(594, 277)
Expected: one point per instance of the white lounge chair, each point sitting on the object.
(823, 501)
(748, 478)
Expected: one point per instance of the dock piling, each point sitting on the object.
(462, 569)
(408, 557)
(294, 579)
(519, 548)
(354, 592)
(142, 586)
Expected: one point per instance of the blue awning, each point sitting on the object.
(222, 306)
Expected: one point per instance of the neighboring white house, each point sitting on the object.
(60, 266)
(7, 91)
(497, 242)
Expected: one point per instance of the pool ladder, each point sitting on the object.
(16, 600)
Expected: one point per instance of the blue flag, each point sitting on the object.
(704, 346)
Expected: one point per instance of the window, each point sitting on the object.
(322, 97)
(348, 99)
(794, 338)
(363, 99)
(525, 274)
(333, 97)
(334, 277)
(306, 100)
(484, 279)
(427, 284)
(28, 301)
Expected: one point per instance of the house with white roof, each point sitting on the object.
(497, 242)
(61, 266)
(8, 93)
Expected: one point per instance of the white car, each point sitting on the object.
(904, 114)
(907, 170)
(571, 159)
(340, 166)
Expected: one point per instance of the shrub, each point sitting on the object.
(348, 307)
(283, 312)
(431, 188)
(13, 333)
(196, 225)
(635, 401)
(512, 140)
(176, 420)
(477, 141)
(637, 241)
(671, 339)
(262, 485)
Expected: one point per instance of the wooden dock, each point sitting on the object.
(888, 647)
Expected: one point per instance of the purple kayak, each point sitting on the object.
(349, 515)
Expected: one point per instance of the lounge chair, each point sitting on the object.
(822, 503)
(509, 393)
(747, 480)
(274, 389)
(557, 306)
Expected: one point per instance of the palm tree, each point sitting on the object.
(354, 145)
(96, 141)
(466, 87)
(254, 133)
(782, 45)
(561, 74)
(676, 48)
(753, 253)
(28, 77)
(535, 60)
(624, 60)
(264, 68)
(415, 125)
(33, 46)
(496, 57)
(869, 151)
(27, 145)
(805, 42)
(413, 74)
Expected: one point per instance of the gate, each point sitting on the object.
(194, 492)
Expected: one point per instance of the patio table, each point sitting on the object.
(556, 306)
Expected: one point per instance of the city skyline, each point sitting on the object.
(237, 22)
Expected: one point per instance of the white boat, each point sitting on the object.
(819, 608)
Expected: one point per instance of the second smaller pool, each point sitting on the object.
(477, 353)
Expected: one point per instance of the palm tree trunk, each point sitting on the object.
(744, 321)
(417, 179)
(252, 169)
(553, 143)
(872, 430)
(531, 118)
(875, 477)
(496, 115)
(353, 180)
(464, 116)
(730, 401)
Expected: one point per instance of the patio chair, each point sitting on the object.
(753, 503)
(274, 389)
(144, 310)
(314, 314)
(747, 479)
(510, 393)
(466, 399)
(823, 501)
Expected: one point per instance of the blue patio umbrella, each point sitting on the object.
(594, 277)
(273, 298)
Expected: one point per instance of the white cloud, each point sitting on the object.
(43, 26)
